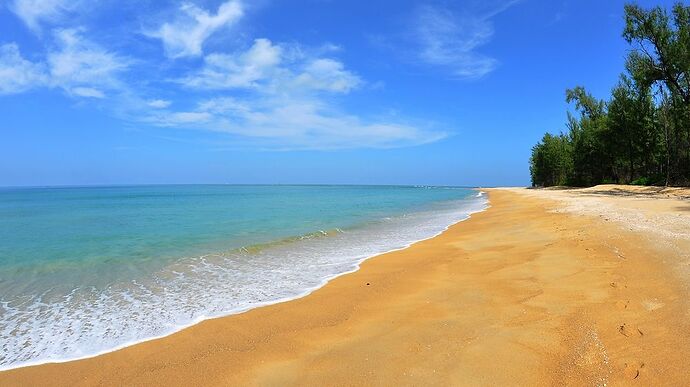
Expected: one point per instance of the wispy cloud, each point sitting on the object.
(447, 41)
(87, 92)
(35, 12)
(17, 74)
(158, 103)
(186, 35)
(328, 75)
(80, 63)
(281, 123)
(268, 95)
(74, 64)
(451, 38)
(269, 67)
(288, 105)
(241, 70)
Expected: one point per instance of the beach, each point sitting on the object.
(545, 287)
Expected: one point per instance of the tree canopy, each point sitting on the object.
(641, 135)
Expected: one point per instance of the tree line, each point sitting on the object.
(641, 135)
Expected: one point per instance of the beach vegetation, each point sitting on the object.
(641, 134)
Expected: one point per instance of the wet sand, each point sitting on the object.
(545, 287)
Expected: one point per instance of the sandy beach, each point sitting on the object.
(546, 287)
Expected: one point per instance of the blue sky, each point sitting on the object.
(353, 92)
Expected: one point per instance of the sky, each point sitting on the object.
(284, 92)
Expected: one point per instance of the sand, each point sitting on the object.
(544, 288)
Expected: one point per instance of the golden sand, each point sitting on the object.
(533, 291)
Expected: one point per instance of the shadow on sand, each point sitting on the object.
(629, 191)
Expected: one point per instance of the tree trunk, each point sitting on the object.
(631, 156)
(687, 146)
(667, 137)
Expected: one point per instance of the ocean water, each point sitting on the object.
(85, 271)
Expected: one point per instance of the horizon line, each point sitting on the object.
(123, 185)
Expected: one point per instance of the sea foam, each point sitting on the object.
(90, 320)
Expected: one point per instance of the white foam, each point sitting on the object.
(88, 322)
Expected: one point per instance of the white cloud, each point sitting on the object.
(450, 39)
(223, 71)
(87, 92)
(80, 62)
(76, 65)
(222, 105)
(327, 74)
(186, 36)
(18, 74)
(285, 101)
(35, 12)
(449, 42)
(189, 117)
(158, 103)
(313, 124)
(294, 122)
(270, 95)
(268, 67)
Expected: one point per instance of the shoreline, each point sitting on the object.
(256, 305)
(515, 279)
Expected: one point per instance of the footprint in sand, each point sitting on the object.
(617, 285)
(632, 369)
(626, 331)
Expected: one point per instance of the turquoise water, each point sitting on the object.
(87, 270)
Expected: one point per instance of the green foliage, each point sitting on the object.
(642, 134)
(634, 140)
(641, 181)
(662, 46)
(551, 161)
(590, 138)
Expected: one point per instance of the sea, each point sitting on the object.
(88, 270)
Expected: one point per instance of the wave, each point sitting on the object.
(258, 247)
(89, 321)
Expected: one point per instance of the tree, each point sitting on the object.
(551, 161)
(641, 135)
(634, 140)
(662, 49)
(591, 141)
(662, 55)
